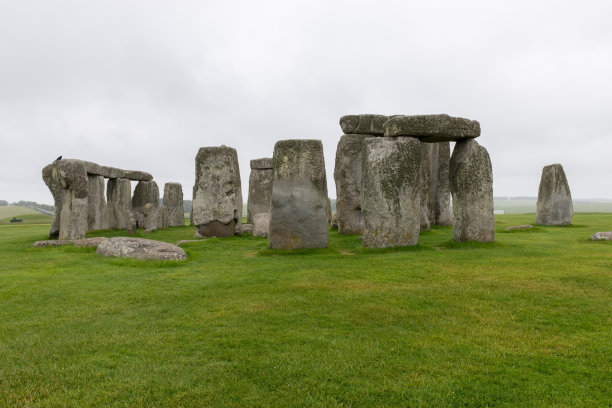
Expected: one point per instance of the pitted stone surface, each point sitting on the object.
(119, 203)
(367, 124)
(260, 188)
(298, 216)
(390, 192)
(348, 176)
(261, 225)
(172, 212)
(432, 128)
(58, 198)
(602, 236)
(519, 227)
(139, 248)
(73, 219)
(429, 153)
(97, 212)
(471, 184)
(146, 192)
(217, 194)
(262, 164)
(442, 214)
(554, 205)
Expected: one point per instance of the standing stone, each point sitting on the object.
(471, 185)
(97, 213)
(554, 206)
(391, 192)
(58, 198)
(426, 187)
(261, 225)
(217, 194)
(119, 203)
(71, 175)
(298, 216)
(442, 214)
(146, 192)
(172, 213)
(260, 188)
(348, 177)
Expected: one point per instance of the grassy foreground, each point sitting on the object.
(525, 321)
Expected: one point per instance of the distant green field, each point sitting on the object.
(528, 205)
(28, 215)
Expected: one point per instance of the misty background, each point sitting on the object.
(144, 84)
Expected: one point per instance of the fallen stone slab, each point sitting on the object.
(139, 248)
(367, 124)
(602, 236)
(52, 243)
(89, 242)
(85, 242)
(519, 227)
(432, 128)
(187, 241)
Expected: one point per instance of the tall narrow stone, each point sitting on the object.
(391, 192)
(119, 203)
(554, 205)
(471, 185)
(71, 175)
(172, 213)
(427, 182)
(348, 177)
(260, 188)
(442, 214)
(217, 194)
(146, 192)
(298, 216)
(97, 213)
(58, 198)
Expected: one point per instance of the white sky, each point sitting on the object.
(143, 84)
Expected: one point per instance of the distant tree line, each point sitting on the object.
(3, 203)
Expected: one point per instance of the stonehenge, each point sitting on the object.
(554, 205)
(172, 212)
(145, 205)
(119, 203)
(348, 177)
(260, 188)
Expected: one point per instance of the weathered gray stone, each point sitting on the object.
(471, 185)
(334, 222)
(71, 174)
(442, 214)
(247, 228)
(137, 175)
(260, 188)
(143, 249)
(554, 205)
(298, 216)
(363, 124)
(348, 177)
(172, 212)
(432, 128)
(52, 243)
(58, 198)
(146, 192)
(519, 227)
(73, 219)
(89, 242)
(261, 225)
(119, 203)
(84, 242)
(426, 179)
(217, 194)
(187, 241)
(602, 236)
(390, 192)
(97, 212)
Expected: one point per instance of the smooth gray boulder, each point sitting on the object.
(471, 185)
(442, 194)
(119, 203)
(432, 128)
(391, 192)
(366, 124)
(348, 178)
(139, 248)
(261, 225)
(602, 236)
(554, 205)
(298, 216)
(97, 211)
(58, 198)
(217, 194)
(260, 188)
(172, 212)
(146, 192)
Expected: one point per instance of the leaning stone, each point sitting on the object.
(433, 128)
(390, 192)
(247, 228)
(89, 242)
(217, 194)
(442, 213)
(363, 124)
(471, 184)
(97, 212)
(146, 192)
(119, 203)
(58, 198)
(172, 212)
(261, 225)
(260, 188)
(599, 236)
(139, 248)
(52, 243)
(519, 227)
(554, 205)
(348, 177)
(298, 216)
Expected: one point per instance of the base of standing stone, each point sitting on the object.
(216, 229)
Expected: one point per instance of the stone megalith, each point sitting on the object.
(58, 198)
(172, 213)
(471, 185)
(217, 194)
(298, 216)
(367, 124)
(348, 177)
(432, 128)
(260, 188)
(71, 175)
(390, 200)
(146, 192)
(427, 183)
(442, 214)
(97, 212)
(554, 206)
(119, 203)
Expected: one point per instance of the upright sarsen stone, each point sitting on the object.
(298, 216)
(348, 177)
(442, 214)
(58, 198)
(391, 192)
(217, 194)
(260, 188)
(172, 212)
(471, 185)
(427, 181)
(119, 203)
(146, 192)
(554, 205)
(71, 175)
(97, 212)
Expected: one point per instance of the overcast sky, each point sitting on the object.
(143, 84)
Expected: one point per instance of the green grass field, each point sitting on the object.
(522, 322)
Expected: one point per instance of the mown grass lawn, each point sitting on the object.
(525, 321)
